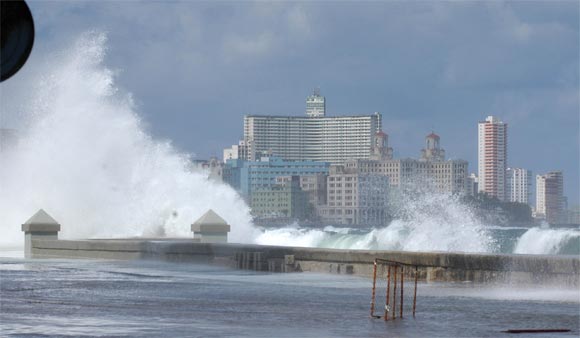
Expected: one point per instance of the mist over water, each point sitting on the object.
(84, 156)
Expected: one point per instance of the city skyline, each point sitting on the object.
(424, 66)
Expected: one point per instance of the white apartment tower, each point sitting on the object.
(492, 157)
(550, 197)
(314, 137)
(518, 184)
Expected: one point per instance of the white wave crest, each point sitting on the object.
(84, 156)
(429, 222)
(549, 242)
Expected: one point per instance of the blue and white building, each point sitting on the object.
(246, 176)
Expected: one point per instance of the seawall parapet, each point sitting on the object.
(432, 266)
(209, 245)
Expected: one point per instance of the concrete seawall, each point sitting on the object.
(432, 266)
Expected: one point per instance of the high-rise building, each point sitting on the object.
(471, 184)
(550, 197)
(518, 185)
(492, 157)
(314, 137)
(316, 104)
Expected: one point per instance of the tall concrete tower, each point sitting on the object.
(550, 197)
(316, 104)
(492, 157)
(518, 184)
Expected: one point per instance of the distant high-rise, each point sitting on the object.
(471, 183)
(315, 137)
(316, 104)
(550, 197)
(518, 184)
(492, 157)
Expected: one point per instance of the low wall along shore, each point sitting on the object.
(41, 241)
(433, 266)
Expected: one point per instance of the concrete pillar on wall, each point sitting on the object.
(40, 226)
(210, 228)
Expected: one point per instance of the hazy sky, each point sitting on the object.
(195, 68)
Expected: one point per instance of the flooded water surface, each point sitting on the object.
(141, 298)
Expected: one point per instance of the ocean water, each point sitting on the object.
(407, 236)
(77, 298)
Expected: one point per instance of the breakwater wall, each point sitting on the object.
(432, 266)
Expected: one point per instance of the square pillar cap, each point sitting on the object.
(210, 222)
(41, 221)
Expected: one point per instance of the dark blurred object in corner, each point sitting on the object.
(17, 36)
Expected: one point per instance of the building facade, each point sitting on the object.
(314, 137)
(471, 184)
(431, 172)
(518, 185)
(314, 186)
(355, 198)
(248, 176)
(283, 200)
(492, 157)
(573, 215)
(237, 151)
(550, 197)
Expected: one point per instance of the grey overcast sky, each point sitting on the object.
(195, 68)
